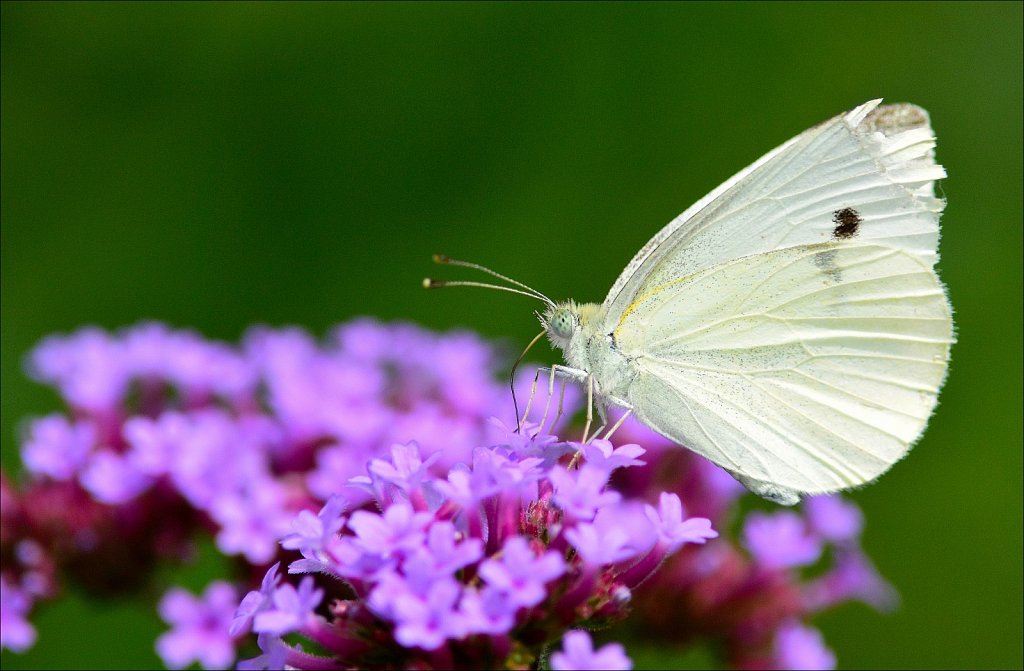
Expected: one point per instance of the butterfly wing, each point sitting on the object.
(802, 370)
(865, 175)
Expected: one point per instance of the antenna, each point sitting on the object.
(441, 284)
(523, 289)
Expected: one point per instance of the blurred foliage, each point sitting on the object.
(220, 165)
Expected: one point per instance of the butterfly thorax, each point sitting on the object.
(577, 330)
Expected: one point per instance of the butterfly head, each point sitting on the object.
(561, 322)
(564, 321)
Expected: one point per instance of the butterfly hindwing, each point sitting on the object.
(810, 369)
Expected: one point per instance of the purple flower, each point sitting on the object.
(520, 574)
(602, 454)
(852, 576)
(195, 366)
(477, 555)
(349, 559)
(405, 469)
(486, 611)
(275, 654)
(800, 647)
(672, 529)
(252, 521)
(365, 339)
(617, 533)
(199, 627)
(156, 442)
(398, 529)
(36, 564)
(424, 612)
(318, 393)
(460, 358)
(57, 448)
(289, 608)
(337, 466)
(578, 653)
(581, 493)
(87, 367)
(388, 586)
(255, 601)
(780, 540)
(465, 487)
(434, 428)
(315, 535)
(208, 454)
(442, 555)
(113, 478)
(834, 519)
(427, 620)
(15, 631)
(507, 471)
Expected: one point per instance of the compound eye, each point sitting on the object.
(562, 323)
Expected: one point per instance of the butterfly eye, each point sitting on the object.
(562, 323)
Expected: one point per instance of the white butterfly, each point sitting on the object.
(790, 325)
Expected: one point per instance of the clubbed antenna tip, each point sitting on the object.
(523, 289)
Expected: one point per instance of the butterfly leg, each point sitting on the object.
(590, 408)
(547, 402)
(533, 392)
(615, 428)
(603, 414)
(590, 418)
(566, 373)
(561, 401)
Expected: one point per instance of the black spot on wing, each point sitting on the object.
(847, 221)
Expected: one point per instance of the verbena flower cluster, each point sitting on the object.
(470, 570)
(416, 527)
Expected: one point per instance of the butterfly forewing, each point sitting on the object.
(864, 176)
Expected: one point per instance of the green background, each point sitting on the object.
(220, 165)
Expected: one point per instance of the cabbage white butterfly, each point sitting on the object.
(790, 325)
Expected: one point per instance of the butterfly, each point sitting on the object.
(790, 326)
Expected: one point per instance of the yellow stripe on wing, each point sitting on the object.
(654, 292)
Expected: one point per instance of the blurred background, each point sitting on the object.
(216, 166)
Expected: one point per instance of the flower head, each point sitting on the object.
(199, 627)
(16, 633)
(519, 574)
(781, 540)
(800, 647)
(422, 524)
(578, 653)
